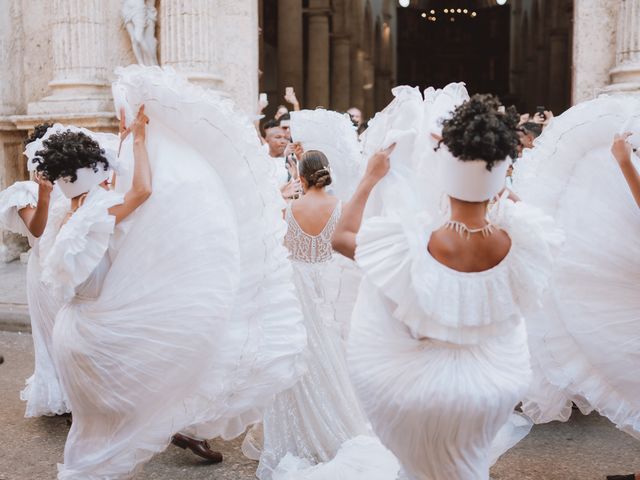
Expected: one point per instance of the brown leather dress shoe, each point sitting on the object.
(199, 447)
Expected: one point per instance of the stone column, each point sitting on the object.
(357, 79)
(12, 166)
(558, 81)
(369, 89)
(625, 75)
(290, 48)
(237, 42)
(188, 40)
(79, 43)
(318, 55)
(594, 39)
(341, 73)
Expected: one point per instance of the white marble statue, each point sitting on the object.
(139, 17)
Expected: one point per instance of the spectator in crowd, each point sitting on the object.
(528, 132)
(285, 124)
(356, 117)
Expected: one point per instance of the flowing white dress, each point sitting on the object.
(585, 343)
(43, 393)
(316, 429)
(438, 357)
(183, 317)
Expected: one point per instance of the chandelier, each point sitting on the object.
(454, 10)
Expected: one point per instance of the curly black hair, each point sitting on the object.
(38, 132)
(479, 130)
(66, 152)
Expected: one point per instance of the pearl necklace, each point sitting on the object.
(466, 232)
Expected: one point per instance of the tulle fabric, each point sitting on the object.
(439, 405)
(586, 341)
(264, 336)
(334, 135)
(360, 458)
(172, 326)
(43, 394)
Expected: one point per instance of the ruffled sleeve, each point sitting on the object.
(535, 241)
(81, 243)
(464, 308)
(12, 200)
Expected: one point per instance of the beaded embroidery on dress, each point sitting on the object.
(310, 248)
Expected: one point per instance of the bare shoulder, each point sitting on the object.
(473, 254)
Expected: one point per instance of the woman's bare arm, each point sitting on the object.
(141, 185)
(35, 219)
(621, 150)
(344, 237)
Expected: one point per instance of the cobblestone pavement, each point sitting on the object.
(585, 448)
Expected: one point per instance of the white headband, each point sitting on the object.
(470, 180)
(87, 179)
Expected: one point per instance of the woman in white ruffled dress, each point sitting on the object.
(438, 348)
(165, 328)
(29, 208)
(316, 429)
(585, 342)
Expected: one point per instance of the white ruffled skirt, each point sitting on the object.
(586, 341)
(43, 392)
(437, 406)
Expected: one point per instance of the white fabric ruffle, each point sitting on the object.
(453, 306)
(264, 337)
(586, 341)
(15, 198)
(81, 243)
(360, 458)
(334, 135)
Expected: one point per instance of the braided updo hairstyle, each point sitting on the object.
(38, 132)
(478, 130)
(66, 152)
(314, 168)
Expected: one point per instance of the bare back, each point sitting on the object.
(312, 212)
(468, 255)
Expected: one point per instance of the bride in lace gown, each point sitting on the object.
(309, 424)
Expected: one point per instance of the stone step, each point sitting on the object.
(14, 317)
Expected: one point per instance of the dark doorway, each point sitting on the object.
(438, 45)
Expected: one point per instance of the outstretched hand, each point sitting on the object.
(379, 164)
(137, 127)
(621, 149)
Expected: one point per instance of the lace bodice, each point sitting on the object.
(310, 248)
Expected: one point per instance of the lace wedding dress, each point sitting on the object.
(317, 430)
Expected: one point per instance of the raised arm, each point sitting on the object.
(141, 185)
(35, 219)
(621, 150)
(344, 237)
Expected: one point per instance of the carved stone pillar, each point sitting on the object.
(188, 39)
(12, 166)
(594, 27)
(290, 48)
(318, 55)
(369, 89)
(79, 43)
(237, 42)
(341, 74)
(357, 79)
(625, 75)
